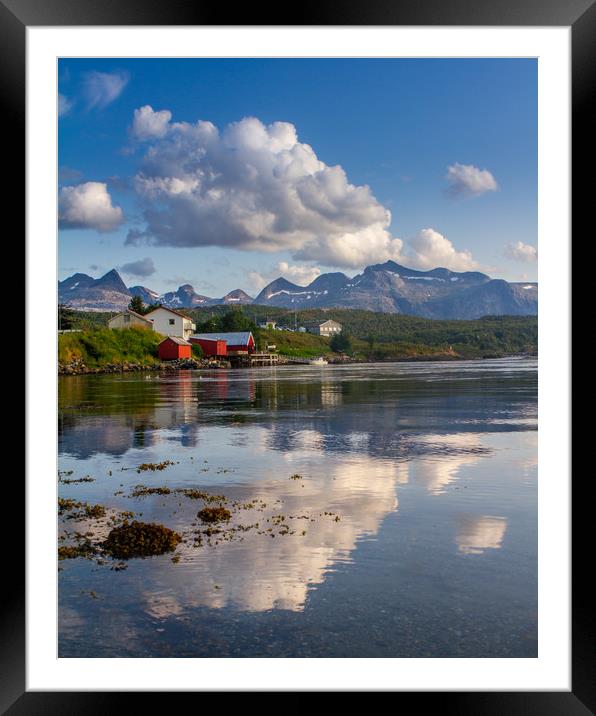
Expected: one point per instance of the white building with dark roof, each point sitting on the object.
(327, 328)
(171, 323)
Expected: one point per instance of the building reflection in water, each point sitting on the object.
(335, 417)
(331, 394)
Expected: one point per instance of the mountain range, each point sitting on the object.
(391, 288)
(387, 288)
(110, 293)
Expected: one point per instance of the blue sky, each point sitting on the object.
(233, 172)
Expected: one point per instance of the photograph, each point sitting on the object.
(296, 417)
(297, 357)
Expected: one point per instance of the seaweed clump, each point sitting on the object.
(75, 482)
(94, 511)
(140, 539)
(214, 514)
(153, 466)
(88, 511)
(65, 505)
(142, 491)
(200, 495)
(82, 549)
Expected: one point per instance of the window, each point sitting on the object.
(126, 319)
(172, 321)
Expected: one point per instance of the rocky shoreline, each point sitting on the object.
(80, 368)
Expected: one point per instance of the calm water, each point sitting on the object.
(412, 532)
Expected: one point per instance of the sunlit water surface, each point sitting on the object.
(427, 473)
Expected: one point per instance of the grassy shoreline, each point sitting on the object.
(102, 346)
(374, 338)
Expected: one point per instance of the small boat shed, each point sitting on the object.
(174, 348)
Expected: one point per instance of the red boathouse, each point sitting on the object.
(237, 343)
(174, 348)
(211, 346)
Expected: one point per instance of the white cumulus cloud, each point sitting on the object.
(148, 124)
(253, 187)
(519, 251)
(88, 206)
(101, 88)
(430, 249)
(427, 250)
(466, 180)
(301, 274)
(372, 244)
(256, 279)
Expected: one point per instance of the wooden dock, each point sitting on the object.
(246, 360)
(264, 359)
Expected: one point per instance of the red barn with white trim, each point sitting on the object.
(174, 348)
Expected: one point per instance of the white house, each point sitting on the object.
(128, 319)
(268, 324)
(171, 323)
(327, 328)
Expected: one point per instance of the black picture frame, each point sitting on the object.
(580, 15)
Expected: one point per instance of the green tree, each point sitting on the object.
(341, 343)
(66, 317)
(136, 304)
(208, 326)
(236, 320)
(197, 351)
